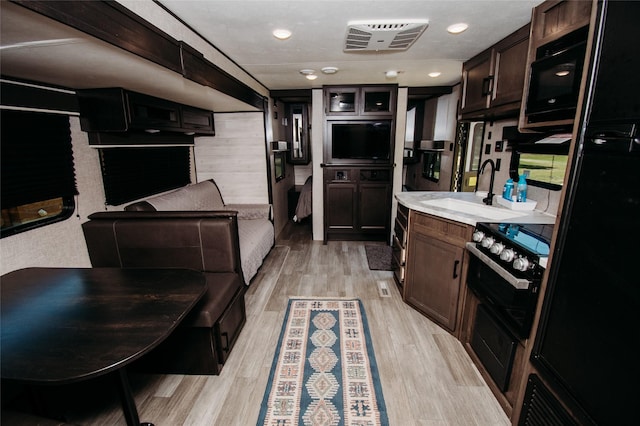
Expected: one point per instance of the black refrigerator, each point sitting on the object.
(587, 340)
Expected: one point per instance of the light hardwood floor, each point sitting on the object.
(427, 378)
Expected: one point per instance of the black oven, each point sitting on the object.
(555, 79)
(505, 271)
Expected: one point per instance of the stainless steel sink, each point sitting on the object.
(460, 206)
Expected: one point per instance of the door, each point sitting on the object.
(477, 83)
(433, 278)
(374, 206)
(340, 206)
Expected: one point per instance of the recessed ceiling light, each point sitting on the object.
(457, 28)
(434, 74)
(311, 76)
(281, 34)
(329, 70)
(391, 74)
(307, 71)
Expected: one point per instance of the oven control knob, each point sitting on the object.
(521, 264)
(507, 255)
(478, 236)
(487, 242)
(497, 248)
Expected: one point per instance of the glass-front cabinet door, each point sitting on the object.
(342, 101)
(377, 100)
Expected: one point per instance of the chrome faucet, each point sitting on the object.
(489, 200)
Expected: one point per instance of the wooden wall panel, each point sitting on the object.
(235, 158)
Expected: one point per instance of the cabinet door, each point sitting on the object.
(147, 112)
(340, 213)
(375, 206)
(432, 282)
(510, 56)
(378, 101)
(476, 76)
(198, 120)
(341, 101)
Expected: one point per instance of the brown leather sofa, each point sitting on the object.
(204, 241)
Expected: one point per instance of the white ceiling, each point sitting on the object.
(241, 30)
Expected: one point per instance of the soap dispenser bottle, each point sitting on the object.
(507, 192)
(522, 189)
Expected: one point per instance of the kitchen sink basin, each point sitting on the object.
(460, 206)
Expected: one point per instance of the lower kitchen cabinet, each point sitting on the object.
(435, 267)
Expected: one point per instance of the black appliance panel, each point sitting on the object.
(494, 346)
(514, 307)
(616, 95)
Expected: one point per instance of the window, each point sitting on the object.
(38, 179)
(431, 165)
(543, 170)
(132, 173)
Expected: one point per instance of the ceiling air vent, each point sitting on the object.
(365, 36)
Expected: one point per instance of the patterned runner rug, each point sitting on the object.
(324, 371)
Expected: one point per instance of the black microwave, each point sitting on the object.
(555, 81)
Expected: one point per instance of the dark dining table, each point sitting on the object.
(65, 325)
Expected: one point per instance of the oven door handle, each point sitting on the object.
(455, 269)
(519, 283)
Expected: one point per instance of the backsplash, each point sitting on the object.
(548, 201)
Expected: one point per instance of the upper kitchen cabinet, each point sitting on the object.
(493, 80)
(360, 101)
(119, 110)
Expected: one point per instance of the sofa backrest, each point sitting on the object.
(204, 241)
(201, 196)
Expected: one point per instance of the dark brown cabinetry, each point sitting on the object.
(357, 203)
(119, 110)
(435, 265)
(493, 81)
(360, 101)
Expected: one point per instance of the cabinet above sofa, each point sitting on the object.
(120, 110)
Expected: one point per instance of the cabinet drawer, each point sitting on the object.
(452, 232)
(399, 252)
(228, 327)
(400, 232)
(402, 215)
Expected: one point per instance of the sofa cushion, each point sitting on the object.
(200, 196)
(222, 288)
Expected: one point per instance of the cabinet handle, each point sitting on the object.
(487, 85)
(226, 343)
(455, 268)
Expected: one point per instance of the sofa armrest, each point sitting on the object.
(251, 211)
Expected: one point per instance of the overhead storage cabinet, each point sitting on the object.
(119, 110)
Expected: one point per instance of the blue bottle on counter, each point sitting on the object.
(507, 192)
(521, 194)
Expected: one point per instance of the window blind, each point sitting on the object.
(37, 158)
(132, 173)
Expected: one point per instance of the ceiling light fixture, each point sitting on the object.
(391, 74)
(329, 70)
(311, 76)
(281, 34)
(307, 71)
(457, 28)
(434, 74)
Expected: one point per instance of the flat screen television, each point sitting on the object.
(359, 142)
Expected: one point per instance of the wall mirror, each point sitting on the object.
(299, 134)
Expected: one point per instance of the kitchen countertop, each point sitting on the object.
(461, 204)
